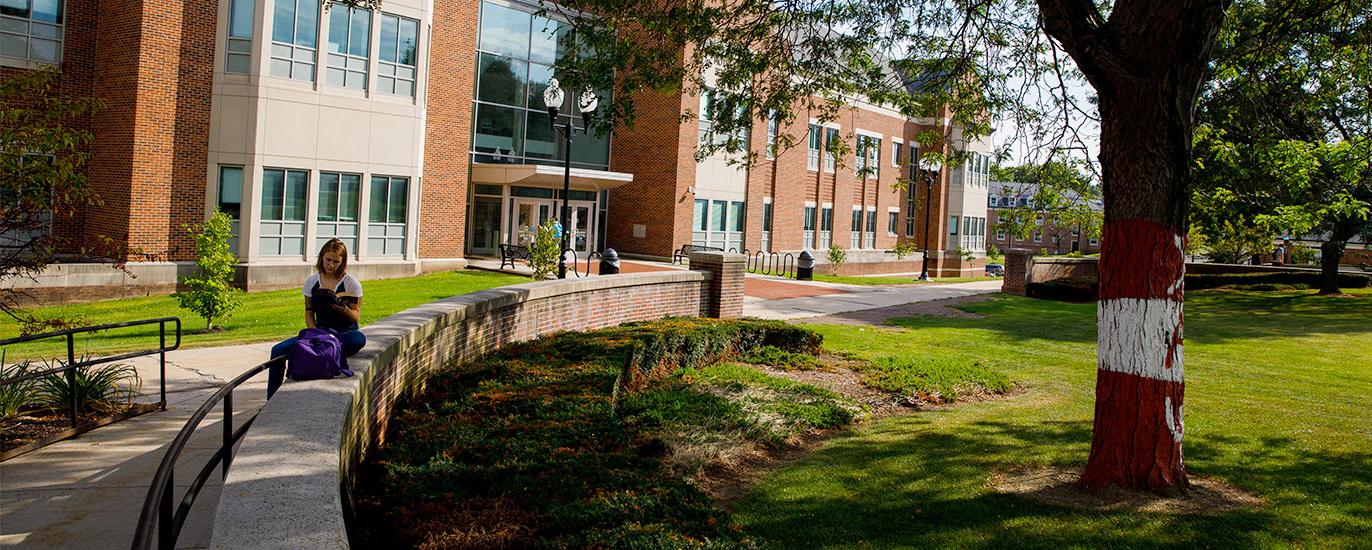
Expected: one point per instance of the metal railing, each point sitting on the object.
(771, 263)
(72, 364)
(158, 506)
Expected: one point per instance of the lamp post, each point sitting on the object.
(552, 98)
(930, 167)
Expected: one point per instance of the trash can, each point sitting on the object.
(805, 267)
(609, 262)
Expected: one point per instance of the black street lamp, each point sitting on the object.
(552, 97)
(930, 167)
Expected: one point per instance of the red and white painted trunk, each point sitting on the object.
(1138, 431)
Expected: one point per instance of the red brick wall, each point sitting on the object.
(659, 150)
(448, 131)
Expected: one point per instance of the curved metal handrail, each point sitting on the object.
(157, 507)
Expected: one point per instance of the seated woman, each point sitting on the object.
(333, 300)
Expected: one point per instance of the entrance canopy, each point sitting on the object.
(539, 175)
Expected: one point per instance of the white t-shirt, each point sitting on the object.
(349, 283)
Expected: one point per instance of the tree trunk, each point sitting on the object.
(1146, 62)
(1331, 253)
(1136, 442)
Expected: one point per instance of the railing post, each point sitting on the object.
(166, 518)
(228, 432)
(162, 359)
(71, 377)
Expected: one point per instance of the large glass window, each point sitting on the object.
(239, 46)
(386, 216)
(812, 154)
(397, 57)
(31, 29)
(337, 211)
(515, 57)
(350, 35)
(295, 28)
(283, 212)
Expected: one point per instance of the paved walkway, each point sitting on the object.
(86, 492)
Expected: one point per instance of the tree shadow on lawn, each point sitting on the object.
(888, 488)
(1212, 317)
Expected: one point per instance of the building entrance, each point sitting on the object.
(527, 214)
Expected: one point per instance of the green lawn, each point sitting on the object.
(1277, 403)
(911, 280)
(265, 316)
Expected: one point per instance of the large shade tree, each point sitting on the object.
(1285, 142)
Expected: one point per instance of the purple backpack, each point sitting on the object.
(316, 355)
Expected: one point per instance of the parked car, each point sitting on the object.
(995, 270)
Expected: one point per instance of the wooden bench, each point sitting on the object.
(687, 249)
(511, 252)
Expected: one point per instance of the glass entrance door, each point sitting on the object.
(485, 226)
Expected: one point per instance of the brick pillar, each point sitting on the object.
(1018, 262)
(726, 287)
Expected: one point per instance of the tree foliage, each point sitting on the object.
(210, 292)
(42, 151)
(1285, 140)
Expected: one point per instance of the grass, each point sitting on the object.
(911, 280)
(264, 317)
(1276, 404)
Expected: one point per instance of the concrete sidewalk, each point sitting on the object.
(87, 492)
(857, 298)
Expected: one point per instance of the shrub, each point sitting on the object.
(903, 249)
(836, 257)
(210, 292)
(14, 397)
(543, 252)
(95, 385)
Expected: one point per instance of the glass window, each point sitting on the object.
(231, 190)
(736, 216)
(504, 30)
(812, 158)
(551, 40)
(717, 215)
(238, 58)
(396, 65)
(350, 34)
(702, 207)
(773, 125)
(31, 30)
(502, 80)
(498, 131)
(294, 27)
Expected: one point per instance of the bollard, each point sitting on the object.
(609, 262)
(805, 267)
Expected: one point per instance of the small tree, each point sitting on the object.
(543, 251)
(836, 257)
(210, 292)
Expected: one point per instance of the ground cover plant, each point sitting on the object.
(264, 317)
(1276, 406)
(590, 439)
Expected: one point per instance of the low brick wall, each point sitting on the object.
(287, 487)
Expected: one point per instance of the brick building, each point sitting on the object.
(416, 134)
(1044, 235)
